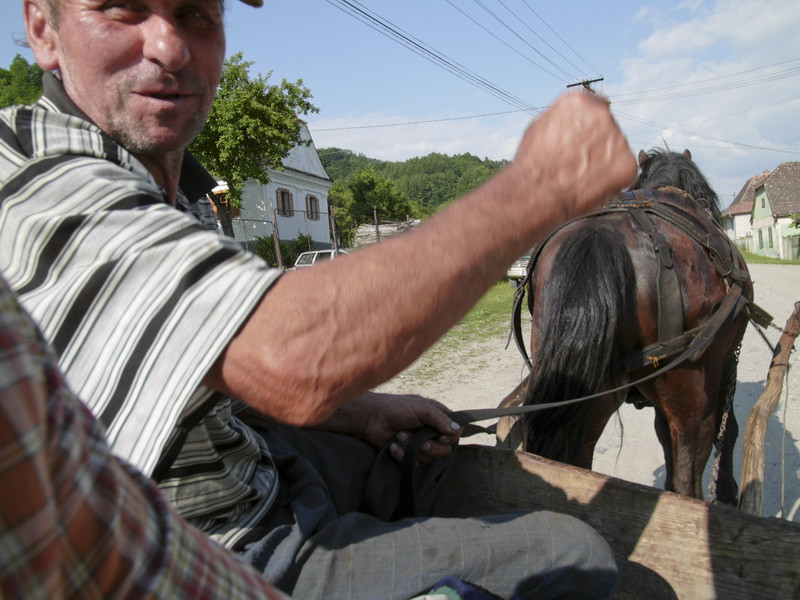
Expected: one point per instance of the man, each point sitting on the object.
(75, 521)
(158, 321)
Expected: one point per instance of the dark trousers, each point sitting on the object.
(320, 541)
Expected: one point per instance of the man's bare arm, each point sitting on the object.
(325, 335)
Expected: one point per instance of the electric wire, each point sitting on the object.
(563, 41)
(504, 24)
(425, 121)
(528, 27)
(388, 29)
(502, 41)
(708, 137)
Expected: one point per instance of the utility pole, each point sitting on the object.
(586, 83)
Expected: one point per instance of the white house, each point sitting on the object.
(296, 195)
(736, 218)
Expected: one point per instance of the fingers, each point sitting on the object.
(441, 421)
(430, 450)
(577, 153)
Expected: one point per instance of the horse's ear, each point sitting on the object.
(643, 157)
(687, 154)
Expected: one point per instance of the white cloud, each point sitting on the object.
(691, 46)
(712, 42)
(498, 136)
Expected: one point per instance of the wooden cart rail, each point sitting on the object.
(666, 545)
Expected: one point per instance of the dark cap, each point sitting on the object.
(256, 3)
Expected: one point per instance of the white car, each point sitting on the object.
(518, 269)
(306, 259)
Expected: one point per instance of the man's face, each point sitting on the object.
(145, 71)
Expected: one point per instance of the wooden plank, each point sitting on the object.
(666, 545)
(752, 497)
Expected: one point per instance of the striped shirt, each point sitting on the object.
(75, 522)
(138, 299)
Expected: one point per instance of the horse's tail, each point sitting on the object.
(579, 309)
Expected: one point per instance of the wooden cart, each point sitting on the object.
(666, 545)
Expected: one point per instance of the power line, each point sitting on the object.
(563, 41)
(672, 87)
(504, 24)
(494, 35)
(507, 112)
(731, 85)
(427, 121)
(528, 27)
(388, 29)
(708, 137)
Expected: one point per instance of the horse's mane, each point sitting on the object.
(661, 168)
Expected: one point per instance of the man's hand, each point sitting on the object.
(380, 308)
(383, 418)
(576, 154)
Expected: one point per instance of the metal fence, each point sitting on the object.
(317, 226)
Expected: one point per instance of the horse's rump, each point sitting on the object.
(595, 300)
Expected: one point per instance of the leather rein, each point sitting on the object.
(675, 346)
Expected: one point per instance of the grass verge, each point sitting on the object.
(489, 318)
(767, 260)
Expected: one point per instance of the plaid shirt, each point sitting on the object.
(75, 521)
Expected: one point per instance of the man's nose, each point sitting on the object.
(164, 44)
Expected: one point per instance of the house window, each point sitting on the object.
(312, 207)
(763, 202)
(760, 238)
(285, 203)
(770, 236)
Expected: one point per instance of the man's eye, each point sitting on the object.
(200, 18)
(121, 5)
(122, 8)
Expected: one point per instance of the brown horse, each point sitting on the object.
(618, 295)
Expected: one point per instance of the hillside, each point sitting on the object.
(431, 181)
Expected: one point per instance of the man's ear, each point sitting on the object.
(42, 36)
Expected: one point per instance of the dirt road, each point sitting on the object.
(481, 375)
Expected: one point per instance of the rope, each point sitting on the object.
(783, 443)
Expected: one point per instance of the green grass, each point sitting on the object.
(767, 260)
(489, 317)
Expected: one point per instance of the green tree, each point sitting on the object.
(290, 250)
(251, 127)
(21, 83)
(372, 192)
(340, 197)
(429, 181)
(474, 176)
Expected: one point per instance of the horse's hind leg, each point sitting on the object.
(687, 417)
(665, 439)
(727, 490)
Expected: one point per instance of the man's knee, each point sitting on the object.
(583, 564)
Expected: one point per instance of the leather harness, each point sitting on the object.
(645, 206)
(674, 344)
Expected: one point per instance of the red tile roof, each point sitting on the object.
(783, 189)
(743, 203)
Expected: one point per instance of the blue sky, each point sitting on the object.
(721, 78)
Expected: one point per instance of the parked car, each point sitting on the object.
(519, 268)
(306, 259)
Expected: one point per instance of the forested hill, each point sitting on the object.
(430, 181)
